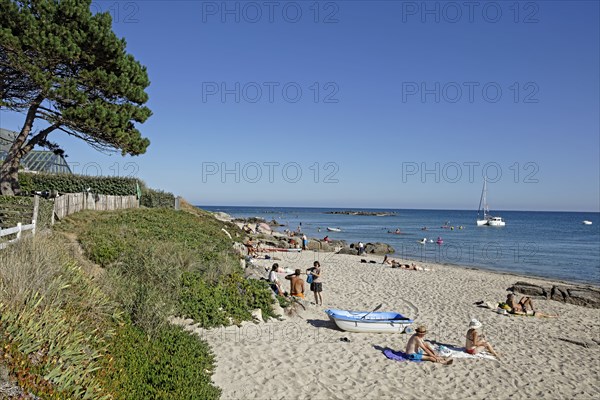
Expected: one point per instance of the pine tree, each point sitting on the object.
(66, 70)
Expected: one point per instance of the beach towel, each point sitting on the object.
(459, 352)
(396, 355)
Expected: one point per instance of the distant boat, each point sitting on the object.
(487, 220)
(586, 222)
(334, 229)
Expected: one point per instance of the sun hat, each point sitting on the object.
(475, 324)
(421, 329)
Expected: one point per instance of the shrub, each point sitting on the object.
(170, 365)
(54, 322)
(157, 199)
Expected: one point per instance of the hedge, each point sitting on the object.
(66, 183)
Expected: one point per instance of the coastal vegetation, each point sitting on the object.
(84, 309)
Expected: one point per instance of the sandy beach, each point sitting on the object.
(302, 357)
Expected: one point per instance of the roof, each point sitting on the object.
(36, 160)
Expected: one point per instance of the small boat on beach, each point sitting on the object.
(334, 229)
(369, 322)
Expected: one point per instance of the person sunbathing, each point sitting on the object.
(521, 307)
(418, 350)
(475, 342)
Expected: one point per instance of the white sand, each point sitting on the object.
(303, 358)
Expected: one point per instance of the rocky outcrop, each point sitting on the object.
(379, 248)
(578, 295)
(348, 250)
(363, 213)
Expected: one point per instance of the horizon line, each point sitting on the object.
(389, 208)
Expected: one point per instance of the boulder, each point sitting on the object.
(318, 245)
(348, 250)
(586, 297)
(576, 295)
(221, 216)
(257, 315)
(529, 289)
(379, 248)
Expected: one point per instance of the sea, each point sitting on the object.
(554, 245)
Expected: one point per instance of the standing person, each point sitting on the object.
(274, 279)
(475, 341)
(296, 284)
(361, 248)
(316, 285)
(418, 350)
(304, 242)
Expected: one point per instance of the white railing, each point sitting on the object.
(16, 229)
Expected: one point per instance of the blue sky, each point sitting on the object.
(393, 104)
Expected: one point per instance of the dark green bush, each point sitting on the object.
(157, 199)
(170, 365)
(66, 183)
(232, 297)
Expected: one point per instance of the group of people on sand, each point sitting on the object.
(297, 284)
(418, 350)
(475, 341)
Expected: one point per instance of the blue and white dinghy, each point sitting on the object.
(369, 322)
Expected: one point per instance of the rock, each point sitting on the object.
(586, 297)
(576, 295)
(379, 248)
(239, 248)
(221, 216)
(348, 250)
(319, 245)
(559, 293)
(257, 314)
(529, 289)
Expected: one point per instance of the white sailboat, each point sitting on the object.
(487, 219)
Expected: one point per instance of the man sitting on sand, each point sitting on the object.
(475, 341)
(296, 284)
(416, 346)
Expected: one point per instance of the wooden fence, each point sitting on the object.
(70, 203)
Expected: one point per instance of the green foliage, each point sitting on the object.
(232, 297)
(169, 365)
(162, 261)
(54, 323)
(57, 51)
(157, 198)
(66, 183)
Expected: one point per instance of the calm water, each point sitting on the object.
(546, 244)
